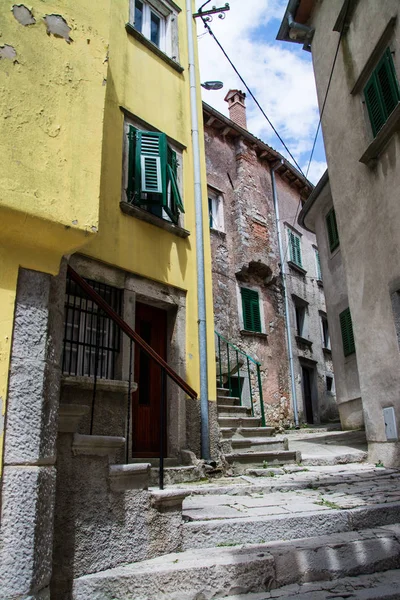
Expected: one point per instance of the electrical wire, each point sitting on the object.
(328, 87)
(206, 25)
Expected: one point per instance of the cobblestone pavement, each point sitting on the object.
(293, 491)
(382, 586)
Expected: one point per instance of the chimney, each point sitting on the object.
(237, 107)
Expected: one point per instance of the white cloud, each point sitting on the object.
(280, 77)
(317, 169)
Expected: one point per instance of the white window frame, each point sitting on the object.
(324, 318)
(301, 305)
(290, 231)
(217, 210)
(168, 14)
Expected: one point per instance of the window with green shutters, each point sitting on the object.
(331, 226)
(382, 92)
(295, 248)
(251, 310)
(347, 332)
(152, 174)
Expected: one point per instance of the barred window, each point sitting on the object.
(90, 337)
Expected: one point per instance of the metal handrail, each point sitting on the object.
(232, 369)
(134, 338)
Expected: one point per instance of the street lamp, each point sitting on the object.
(212, 85)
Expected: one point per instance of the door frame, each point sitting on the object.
(173, 301)
(312, 369)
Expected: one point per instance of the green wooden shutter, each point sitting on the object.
(374, 105)
(386, 75)
(150, 183)
(331, 226)
(173, 201)
(130, 188)
(295, 249)
(251, 310)
(346, 327)
(317, 259)
(382, 92)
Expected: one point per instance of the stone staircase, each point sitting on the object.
(245, 444)
(310, 535)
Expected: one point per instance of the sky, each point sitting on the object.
(279, 74)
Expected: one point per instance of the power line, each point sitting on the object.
(206, 25)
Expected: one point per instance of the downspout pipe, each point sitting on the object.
(309, 31)
(198, 200)
(274, 167)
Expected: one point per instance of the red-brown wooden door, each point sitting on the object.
(151, 325)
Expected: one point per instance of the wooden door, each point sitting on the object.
(151, 325)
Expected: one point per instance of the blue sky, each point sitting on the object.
(280, 75)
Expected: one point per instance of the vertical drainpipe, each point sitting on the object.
(198, 199)
(287, 313)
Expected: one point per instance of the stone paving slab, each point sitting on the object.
(379, 586)
(375, 488)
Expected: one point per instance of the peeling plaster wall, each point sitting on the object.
(51, 123)
(250, 237)
(52, 105)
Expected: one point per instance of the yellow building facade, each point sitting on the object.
(65, 103)
(97, 173)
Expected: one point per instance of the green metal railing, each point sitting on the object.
(232, 360)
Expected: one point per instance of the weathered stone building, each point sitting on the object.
(247, 284)
(360, 123)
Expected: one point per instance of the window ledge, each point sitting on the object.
(143, 215)
(141, 38)
(296, 267)
(258, 334)
(320, 283)
(103, 385)
(303, 341)
(218, 232)
(382, 138)
(326, 350)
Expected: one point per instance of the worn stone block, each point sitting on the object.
(32, 412)
(26, 537)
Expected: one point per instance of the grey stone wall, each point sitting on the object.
(28, 487)
(305, 285)
(97, 527)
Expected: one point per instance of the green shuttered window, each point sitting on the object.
(331, 226)
(347, 332)
(152, 173)
(251, 310)
(295, 248)
(382, 92)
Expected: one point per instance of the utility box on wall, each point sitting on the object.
(390, 424)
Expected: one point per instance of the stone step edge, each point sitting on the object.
(382, 585)
(248, 441)
(207, 534)
(264, 456)
(248, 568)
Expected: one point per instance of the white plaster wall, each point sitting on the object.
(366, 201)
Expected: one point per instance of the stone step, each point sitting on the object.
(176, 475)
(228, 432)
(236, 422)
(208, 533)
(234, 411)
(222, 571)
(377, 586)
(240, 461)
(154, 462)
(222, 392)
(228, 400)
(259, 444)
